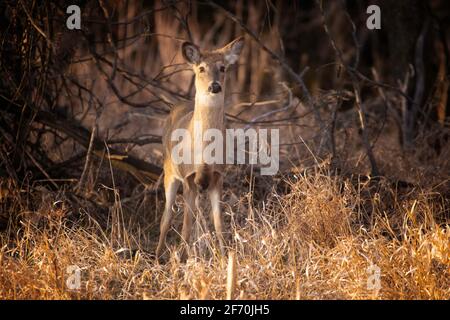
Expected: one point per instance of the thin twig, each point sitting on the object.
(88, 162)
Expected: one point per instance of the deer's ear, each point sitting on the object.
(191, 53)
(232, 50)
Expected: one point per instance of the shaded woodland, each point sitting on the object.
(122, 73)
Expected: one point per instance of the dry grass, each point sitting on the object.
(315, 242)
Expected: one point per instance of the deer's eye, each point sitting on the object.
(201, 69)
(222, 69)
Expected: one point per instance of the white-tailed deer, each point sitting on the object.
(210, 68)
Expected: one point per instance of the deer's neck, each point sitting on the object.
(209, 111)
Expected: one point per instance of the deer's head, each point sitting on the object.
(210, 66)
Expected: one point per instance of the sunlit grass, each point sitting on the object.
(319, 241)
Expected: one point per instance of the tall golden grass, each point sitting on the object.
(320, 240)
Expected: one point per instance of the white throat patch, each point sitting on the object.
(209, 100)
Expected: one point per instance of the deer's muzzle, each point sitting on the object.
(215, 87)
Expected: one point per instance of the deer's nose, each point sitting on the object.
(215, 87)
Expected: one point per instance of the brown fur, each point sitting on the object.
(208, 111)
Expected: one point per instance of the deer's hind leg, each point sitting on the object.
(171, 185)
